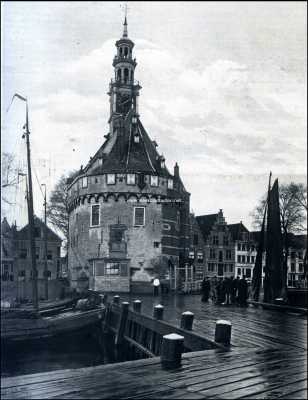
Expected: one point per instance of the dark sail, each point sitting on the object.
(257, 271)
(274, 277)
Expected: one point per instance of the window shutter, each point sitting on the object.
(99, 268)
(123, 270)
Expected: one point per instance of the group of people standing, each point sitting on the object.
(225, 290)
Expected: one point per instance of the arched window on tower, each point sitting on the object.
(126, 75)
(121, 50)
(125, 51)
(119, 75)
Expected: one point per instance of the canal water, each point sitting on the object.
(65, 352)
(77, 350)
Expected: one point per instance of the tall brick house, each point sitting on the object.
(219, 245)
(128, 215)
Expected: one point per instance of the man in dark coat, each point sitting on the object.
(235, 286)
(232, 289)
(205, 289)
(243, 292)
(227, 288)
(221, 293)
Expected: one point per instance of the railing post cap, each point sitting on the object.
(223, 322)
(187, 313)
(124, 303)
(116, 295)
(159, 306)
(137, 301)
(173, 336)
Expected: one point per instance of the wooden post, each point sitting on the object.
(122, 323)
(116, 299)
(187, 320)
(137, 305)
(171, 351)
(158, 312)
(105, 299)
(223, 332)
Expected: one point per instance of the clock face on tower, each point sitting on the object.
(124, 102)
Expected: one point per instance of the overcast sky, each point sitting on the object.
(223, 90)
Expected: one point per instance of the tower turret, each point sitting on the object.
(123, 90)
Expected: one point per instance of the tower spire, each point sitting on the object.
(125, 23)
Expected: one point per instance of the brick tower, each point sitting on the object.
(128, 215)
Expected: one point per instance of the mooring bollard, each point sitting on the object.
(171, 351)
(116, 299)
(158, 312)
(187, 320)
(137, 305)
(223, 332)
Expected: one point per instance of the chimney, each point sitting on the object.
(176, 171)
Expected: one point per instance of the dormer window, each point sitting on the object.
(134, 120)
(110, 179)
(162, 163)
(136, 138)
(154, 180)
(85, 182)
(170, 183)
(131, 179)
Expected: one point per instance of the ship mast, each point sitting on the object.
(31, 215)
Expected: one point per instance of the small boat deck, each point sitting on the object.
(267, 359)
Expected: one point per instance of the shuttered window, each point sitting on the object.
(95, 215)
(139, 214)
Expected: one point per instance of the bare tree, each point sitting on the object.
(57, 208)
(293, 209)
(9, 176)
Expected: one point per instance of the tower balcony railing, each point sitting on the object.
(122, 58)
(125, 82)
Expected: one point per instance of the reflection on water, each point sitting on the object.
(67, 351)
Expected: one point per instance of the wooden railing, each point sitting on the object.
(135, 335)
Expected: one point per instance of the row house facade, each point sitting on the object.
(219, 250)
(245, 251)
(297, 261)
(16, 264)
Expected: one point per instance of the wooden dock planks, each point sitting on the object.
(207, 374)
(267, 359)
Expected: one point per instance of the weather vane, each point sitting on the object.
(125, 8)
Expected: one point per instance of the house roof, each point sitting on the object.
(298, 241)
(206, 223)
(295, 241)
(23, 234)
(236, 230)
(126, 156)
